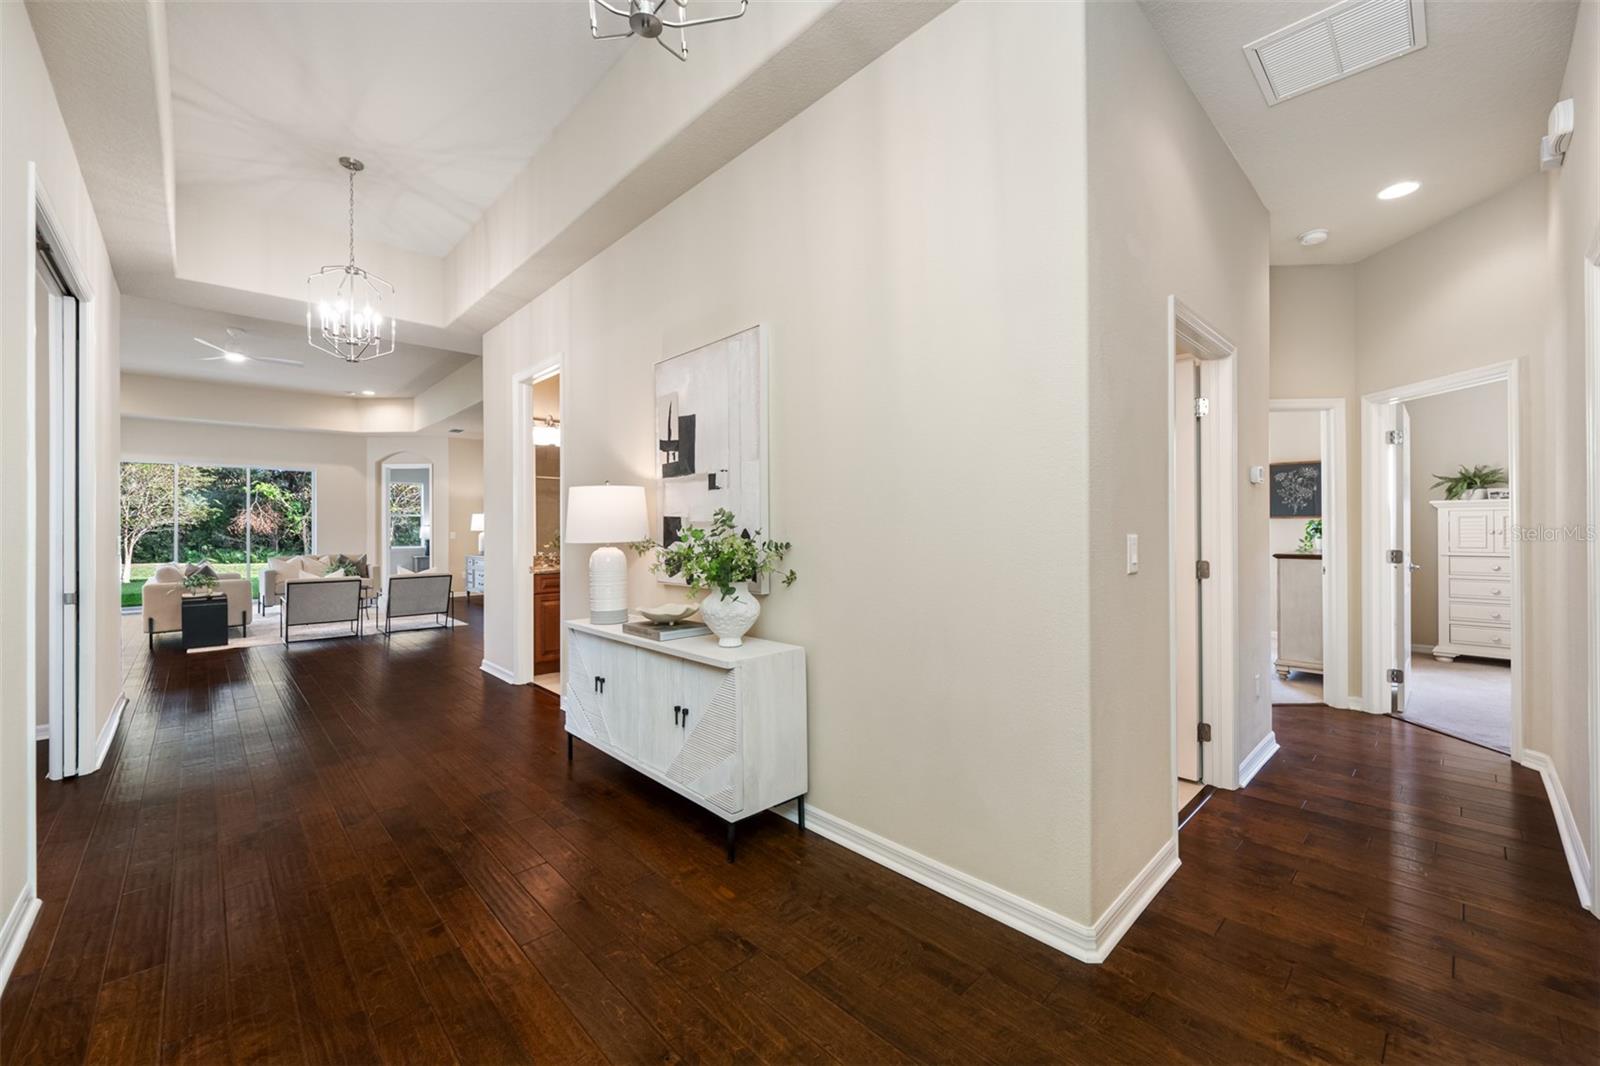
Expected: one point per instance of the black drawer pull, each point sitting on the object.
(676, 710)
(685, 722)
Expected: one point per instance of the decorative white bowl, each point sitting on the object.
(668, 613)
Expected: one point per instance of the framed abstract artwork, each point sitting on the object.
(711, 436)
(1296, 490)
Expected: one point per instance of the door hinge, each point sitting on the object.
(69, 599)
(1396, 555)
(1397, 677)
(1202, 569)
(1394, 436)
(1203, 732)
(1202, 406)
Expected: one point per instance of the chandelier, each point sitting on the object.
(645, 20)
(344, 304)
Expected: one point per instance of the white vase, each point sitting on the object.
(1477, 494)
(730, 619)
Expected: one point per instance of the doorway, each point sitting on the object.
(546, 545)
(1443, 621)
(534, 556)
(57, 660)
(407, 517)
(1202, 556)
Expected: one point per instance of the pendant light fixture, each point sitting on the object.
(645, 20)
(344, 304)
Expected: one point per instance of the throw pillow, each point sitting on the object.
(313, 566)
(354, 565)
(168, 574)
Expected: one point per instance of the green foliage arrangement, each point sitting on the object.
(720, 558)
(1308, 539)
(1466, 479)
(200, 582)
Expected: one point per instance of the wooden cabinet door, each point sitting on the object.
(708, 759)
(1472, 532)
(602, 687)
(546, 623)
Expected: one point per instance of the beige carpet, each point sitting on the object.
(549, 682)
(1469, 699)
(1302, 687)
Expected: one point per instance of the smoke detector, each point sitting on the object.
(1339, 41)
(1312, 237)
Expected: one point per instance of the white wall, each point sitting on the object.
(1463, 428)
(923, 287)
(1170, 213)
(465, 497)
(1291, 436)
(35, 134)
(1560, 686)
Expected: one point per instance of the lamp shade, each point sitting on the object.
(606, 514)
(476, 525)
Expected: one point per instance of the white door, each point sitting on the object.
(56, 346)
(1186, 531)
(1399, 558)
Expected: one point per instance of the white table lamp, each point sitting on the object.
(476, 526)
(607, 515)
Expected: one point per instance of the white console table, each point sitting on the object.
(723, 727)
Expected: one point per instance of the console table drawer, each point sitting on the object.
(1481, 565)
(1480, 636)
(1480, 588)
(1483, 614)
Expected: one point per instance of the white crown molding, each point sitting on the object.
(1566, 824)
(14, 933)
(1083, 942)
(498, 672)
(1258, 757)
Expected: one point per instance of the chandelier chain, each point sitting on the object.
(352, 219)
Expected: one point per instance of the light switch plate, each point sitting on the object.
(1133, 553)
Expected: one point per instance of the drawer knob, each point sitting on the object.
(1496, 568)
(1495, 614)
(1498, 640)
(1497, 592)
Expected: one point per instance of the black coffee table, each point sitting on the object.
(205, 622)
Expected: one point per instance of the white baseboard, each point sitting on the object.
(1355, 703)
(498, 672)
(108, 733)
(41, 731)
(14, 933)
(1571, 839)
(1082, 942)
(1258, 758)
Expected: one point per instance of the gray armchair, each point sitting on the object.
(415, 595)
(321, 601)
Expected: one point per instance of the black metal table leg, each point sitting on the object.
(800, 809)
(569, 747)
(732, 826)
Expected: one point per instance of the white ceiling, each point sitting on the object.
(444, 101)
(1463, 116)
(158, 338)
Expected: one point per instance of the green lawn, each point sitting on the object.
(142, 571)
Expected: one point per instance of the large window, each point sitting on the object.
(231, 516)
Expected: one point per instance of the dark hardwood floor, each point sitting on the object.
(362, 852)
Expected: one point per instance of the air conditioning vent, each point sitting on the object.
(1335, 43)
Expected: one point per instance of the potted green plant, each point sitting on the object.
(1311, 539)
(721, 562)
(1470, 483)
(200, 583)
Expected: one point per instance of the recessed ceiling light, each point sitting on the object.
(1399, 189)
(368, 392)
(1313, 237)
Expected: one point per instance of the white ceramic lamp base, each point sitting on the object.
(608, 587)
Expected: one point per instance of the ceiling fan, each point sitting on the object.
(234, 356)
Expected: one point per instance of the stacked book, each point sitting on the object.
(666, 630)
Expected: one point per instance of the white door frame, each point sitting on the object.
(388, 563)
(519, 554)
(1377, 608)
(1335, 547)
(1219, 450)
(1591, 287)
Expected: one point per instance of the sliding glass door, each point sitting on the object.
(233, 517)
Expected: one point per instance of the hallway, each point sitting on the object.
(371, 852)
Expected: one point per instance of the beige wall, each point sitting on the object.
(1291, 436)
(1463, 428)
(34, 133)
(916, 244)
(1559, 685)
(466, 497)
(1170, 213)
(1314, 358)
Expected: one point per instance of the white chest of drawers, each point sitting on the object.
(1474, 579)
(474, 575)
(723, 727)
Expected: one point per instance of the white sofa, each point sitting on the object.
(162, 600)
(287, 568)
